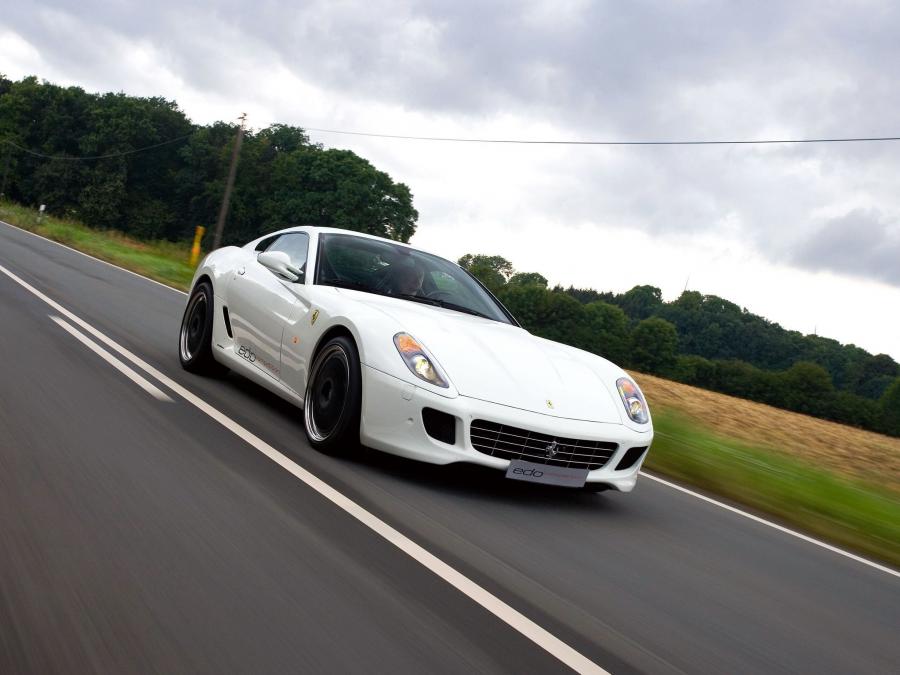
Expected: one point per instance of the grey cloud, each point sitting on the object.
(606, 70)
(861, 243)
(617, 68)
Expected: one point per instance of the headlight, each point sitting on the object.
(635, 405)
(419, 361)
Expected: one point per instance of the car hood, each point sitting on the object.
(505, 364)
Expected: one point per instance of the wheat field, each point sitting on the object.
(844, 450)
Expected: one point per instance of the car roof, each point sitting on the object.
(338, 230)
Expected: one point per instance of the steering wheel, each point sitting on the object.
(380, 280)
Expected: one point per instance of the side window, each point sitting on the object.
(265, 243)
(295, 244)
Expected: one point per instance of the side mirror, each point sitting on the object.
(279, 262)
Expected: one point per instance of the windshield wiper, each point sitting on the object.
(351, 285)
(356, 286)
(443, 303)
(418, 298)
(463, 309)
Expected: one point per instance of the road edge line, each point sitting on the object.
(481, 596)
(92, 257)
(674, 486)
(769, 523)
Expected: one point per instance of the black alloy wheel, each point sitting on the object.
(195, 337)
(331, 407)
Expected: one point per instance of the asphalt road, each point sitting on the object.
(139, 535)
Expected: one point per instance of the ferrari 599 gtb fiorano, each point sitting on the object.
(382, 344)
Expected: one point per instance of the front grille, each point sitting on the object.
(505, 442)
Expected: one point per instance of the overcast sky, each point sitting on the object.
(806, 235)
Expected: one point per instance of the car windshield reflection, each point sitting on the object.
(382, 268)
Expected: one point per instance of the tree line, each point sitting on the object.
(140, 166)
(705, 341)
(164, 192)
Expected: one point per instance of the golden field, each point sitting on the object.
(835, 447)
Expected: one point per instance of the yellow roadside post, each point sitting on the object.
(195, 249)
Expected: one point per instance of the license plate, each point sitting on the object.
(546, 474)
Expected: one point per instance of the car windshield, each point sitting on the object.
(383, 268)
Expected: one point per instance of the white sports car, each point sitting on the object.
(406, 352)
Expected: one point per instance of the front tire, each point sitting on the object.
(195, 336)
(331, 407)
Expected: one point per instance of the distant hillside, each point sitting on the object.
(714, 328)
(708, 342)
(824, 444)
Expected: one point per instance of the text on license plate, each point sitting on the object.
(546, 473)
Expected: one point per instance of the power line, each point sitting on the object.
(109, 156)
(453, 139)
(516, 141)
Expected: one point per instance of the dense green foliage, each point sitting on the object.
(164, 192)
(705, 341)
(890, 411)
(492, 270)
(653, 345)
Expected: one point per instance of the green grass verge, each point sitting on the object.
(849, 512)
(163, 261)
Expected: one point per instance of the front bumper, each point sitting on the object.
(392, 422)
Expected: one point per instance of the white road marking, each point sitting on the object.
(762, 521)
(780, 528)
(512, 617)
(140, 381)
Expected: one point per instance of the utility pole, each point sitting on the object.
(229, 184)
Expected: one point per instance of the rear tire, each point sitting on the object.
(195, 336)
(331, 407)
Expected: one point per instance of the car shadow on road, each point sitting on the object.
(459, 480)
(481, 483)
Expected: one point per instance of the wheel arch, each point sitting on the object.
(218, 267)
(199, 280)
(332, 332)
